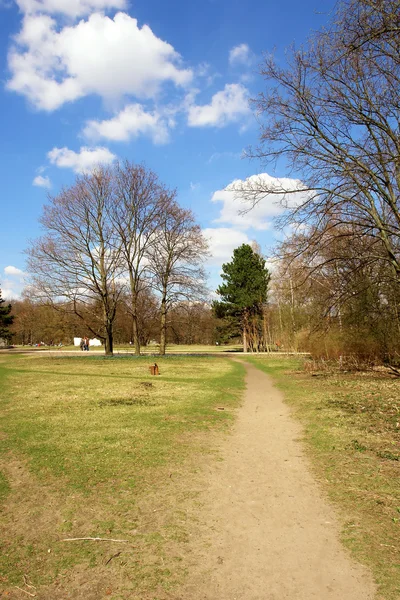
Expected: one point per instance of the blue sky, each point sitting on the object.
(161, 82)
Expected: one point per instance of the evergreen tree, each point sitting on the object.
(5, 319)
(244, 291)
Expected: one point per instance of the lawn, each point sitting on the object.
(352, 435)
(101, 449)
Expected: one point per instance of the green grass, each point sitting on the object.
(352, 434)
(100, 448)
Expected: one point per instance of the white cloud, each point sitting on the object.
(83, 161)
(13, 271)
(40, 181)
(131, 122)
(71, 8)
(227, 106)
(110, 57)
(234, 204)
(9, 293)
(240, 55)
(222, 241)
(11, 287)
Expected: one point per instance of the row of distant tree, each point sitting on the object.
(331, 314)
(187, 323)
(234, 318)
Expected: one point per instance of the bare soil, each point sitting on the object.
(265, 530)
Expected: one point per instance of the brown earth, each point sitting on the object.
(265, 530)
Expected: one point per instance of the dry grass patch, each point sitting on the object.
(352, 432)
(99, 448)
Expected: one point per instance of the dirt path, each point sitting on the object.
(266, 532)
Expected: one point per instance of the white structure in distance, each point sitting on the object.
(92, 342)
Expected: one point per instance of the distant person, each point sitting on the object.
(82, 344)
(86, 344)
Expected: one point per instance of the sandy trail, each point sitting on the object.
(266, 531)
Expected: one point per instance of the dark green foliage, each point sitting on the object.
(228, 328)
(5, 319)
(243, 293)
(245, 281)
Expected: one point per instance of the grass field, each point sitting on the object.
(352, 434)
(99, 448)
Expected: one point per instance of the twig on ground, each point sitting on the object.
(93, 539)
(113, 556)
(394, 370)
(28, 584)
(25, 592)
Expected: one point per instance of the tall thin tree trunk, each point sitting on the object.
(135, 327)
(339, 304)
(294, 344)
(244, 332)
(163, 326)
(265, 331)
(135, 332)
(280, 319)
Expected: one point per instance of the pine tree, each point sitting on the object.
(244, 291)
(5, 319)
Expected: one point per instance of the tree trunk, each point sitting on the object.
(135, 328)
(135, 333)
(163, 326)
(265, 331)
(109, 346)
(244, 339)
(244, 332)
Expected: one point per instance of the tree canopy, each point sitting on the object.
(245, 287)
(110, 238)
(331, 114)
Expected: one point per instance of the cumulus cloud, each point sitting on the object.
(13, 271)
(227, 106)
(83, 161)
(9, 294)
(41, 181)
(131, 122)
(70, 8)
(12, 284)
(110, 57)
(238, 211)
(240, 55)
(222, 241)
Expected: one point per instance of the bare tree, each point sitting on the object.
(176, 261)
(333, 116)
(139, 201)
(78, 260)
